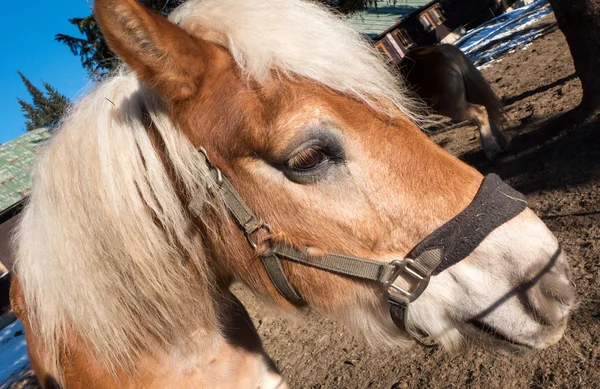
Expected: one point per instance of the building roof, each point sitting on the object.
(373, 21)
(17, 158)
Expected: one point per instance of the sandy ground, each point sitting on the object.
(559, 171)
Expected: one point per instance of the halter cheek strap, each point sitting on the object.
(494, 204)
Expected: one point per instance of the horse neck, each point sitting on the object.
(231, 357)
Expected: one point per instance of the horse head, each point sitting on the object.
(316, 138)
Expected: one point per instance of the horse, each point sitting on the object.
(449, 84)
(153, 198)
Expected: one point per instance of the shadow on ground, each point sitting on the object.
(555, 154)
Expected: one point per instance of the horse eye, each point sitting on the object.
(308, 159)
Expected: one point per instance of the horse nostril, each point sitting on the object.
(550, 300)
(558, 289)
(556, 285)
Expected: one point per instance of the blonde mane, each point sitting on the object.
(105, 247)
(301, 39)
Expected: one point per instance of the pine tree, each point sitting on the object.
(58, 101)
(96, 57)
(43, 109)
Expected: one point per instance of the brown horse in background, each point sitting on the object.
(449, 83)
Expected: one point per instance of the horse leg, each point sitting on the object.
(450, 99)
(502, 139)
(455, 106)
(493, 141)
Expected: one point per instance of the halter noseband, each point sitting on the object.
(494, 204)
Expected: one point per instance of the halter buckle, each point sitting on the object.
(400, 295)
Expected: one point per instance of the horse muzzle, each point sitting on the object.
(513, 292)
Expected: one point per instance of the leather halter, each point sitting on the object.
(494, 204)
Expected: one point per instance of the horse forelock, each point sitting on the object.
(105, 247)
(303, 40)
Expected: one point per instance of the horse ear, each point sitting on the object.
(162, 54)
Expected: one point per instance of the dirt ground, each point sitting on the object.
(558, 168)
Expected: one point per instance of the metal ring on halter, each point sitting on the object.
(407, 296)
(219, 177)
(203, 152)
(249, 234)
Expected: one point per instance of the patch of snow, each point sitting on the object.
(13, 353)
(505, 33)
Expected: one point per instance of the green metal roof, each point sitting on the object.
(373, 22)
(17, 158)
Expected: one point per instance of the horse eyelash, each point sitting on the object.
(305, 155)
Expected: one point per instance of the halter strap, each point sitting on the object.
(347, 265)
(250, 224)
(494, 204)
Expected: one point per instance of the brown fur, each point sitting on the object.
(247, 129)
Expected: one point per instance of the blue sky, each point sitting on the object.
(27, 30)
